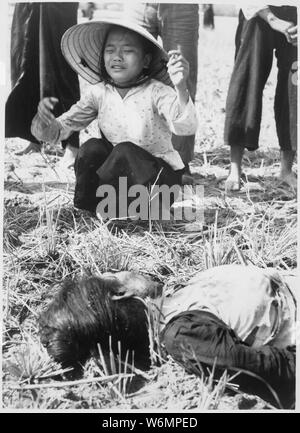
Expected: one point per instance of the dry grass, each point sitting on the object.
(56, 243)
(46, 240)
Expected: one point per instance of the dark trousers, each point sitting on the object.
(38, 67)
(255, 43)
(198, 337)
(208, 16)
(100, 163)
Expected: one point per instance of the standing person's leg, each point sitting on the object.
(39, 69)
(198, 338)
(253, 62)
(285, 107)
(91, 156)
(180, 26)
(23, 99)
(22, 12)
(57, 78)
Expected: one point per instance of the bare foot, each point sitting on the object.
(289, 178)
(31, 148)
(69, 157)
(232, 183)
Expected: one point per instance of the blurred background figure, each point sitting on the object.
(38, 69)
(208, 16)
(87, 10)
(177, 24)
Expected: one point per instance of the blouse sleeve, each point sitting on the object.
(76, 118)
(81, 114)
(181, 122)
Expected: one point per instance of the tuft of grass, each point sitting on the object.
(167, 253)
(212, 390)
(114, 365)
(30, 363)
(154, 319)
(219, 246)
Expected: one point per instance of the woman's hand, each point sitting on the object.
(292, 35)
(45, 108)
(178, 68)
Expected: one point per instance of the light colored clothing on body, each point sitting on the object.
(256, 303)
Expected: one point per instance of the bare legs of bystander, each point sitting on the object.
(286, 176)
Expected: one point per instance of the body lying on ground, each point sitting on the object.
(236, 318)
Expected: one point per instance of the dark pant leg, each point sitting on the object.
(180, 26)
(139, 167)
(285, 104)
(21, 104)
(57, 78)
(198, 337)
(91, 156)
(253, 62)
(19, 26)
(38, 67)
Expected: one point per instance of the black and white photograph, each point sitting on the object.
(149, 209)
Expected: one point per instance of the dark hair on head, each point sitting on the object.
(148, 48)
(83, 314)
